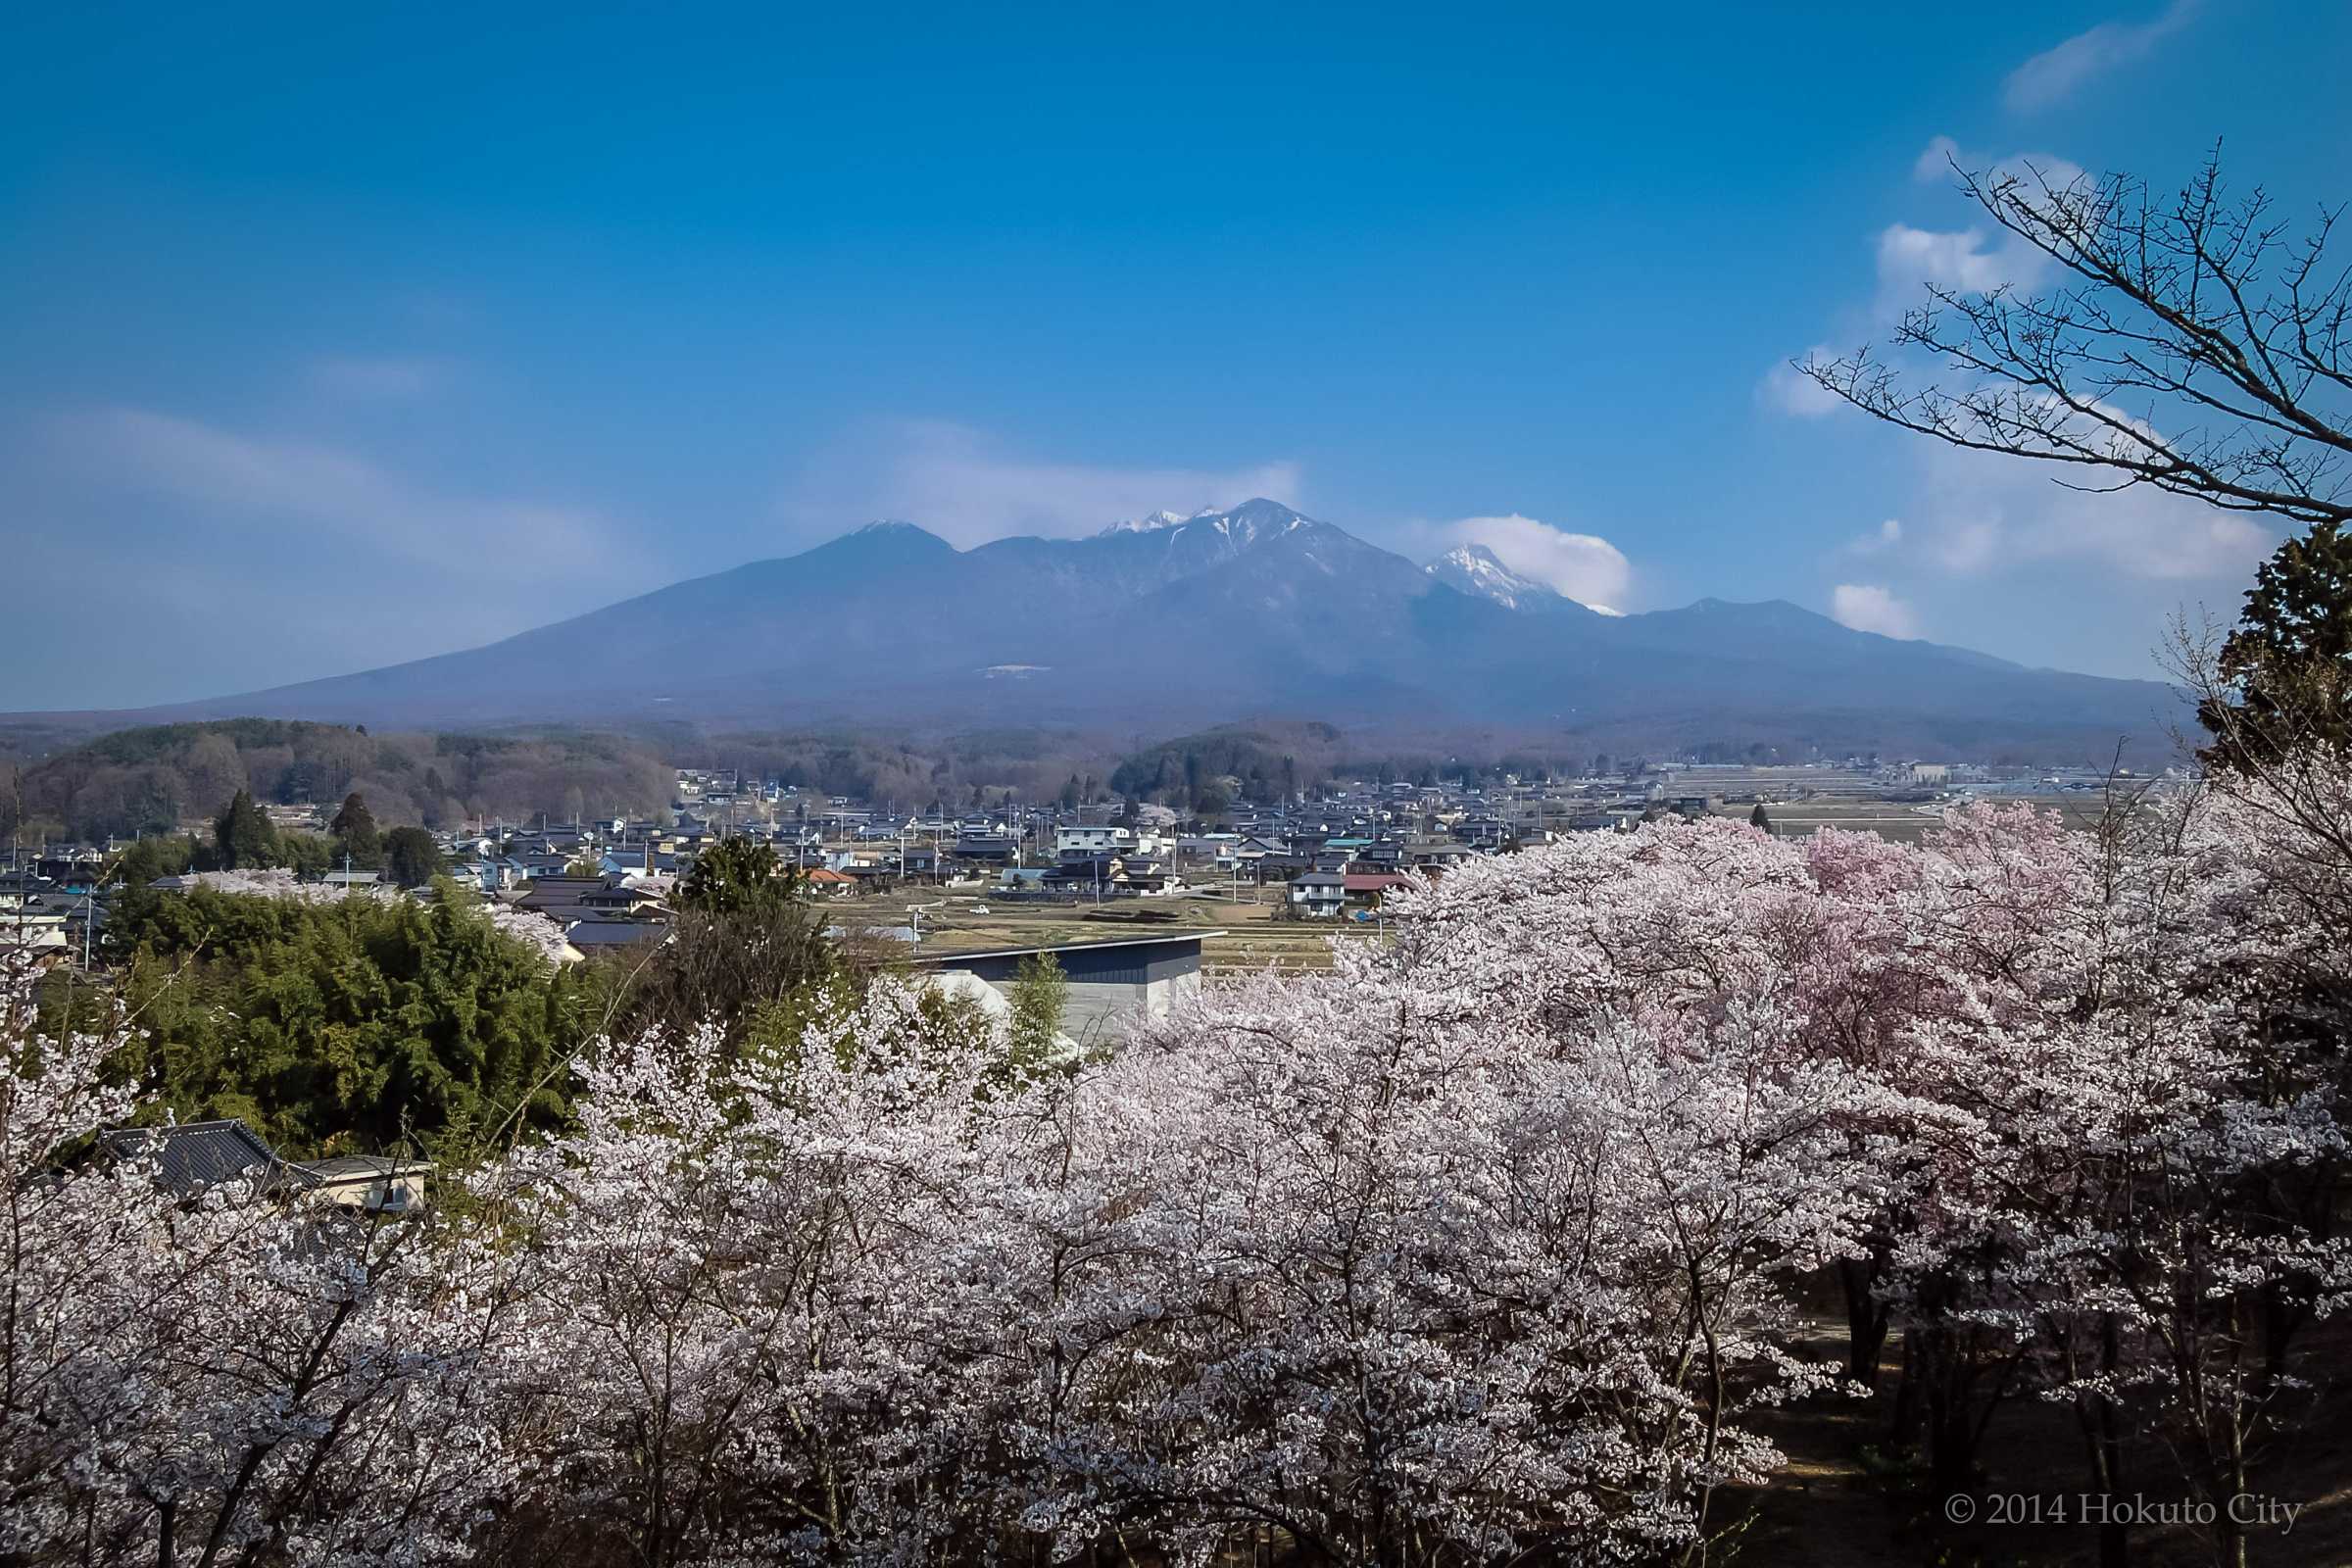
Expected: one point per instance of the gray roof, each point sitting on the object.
(197, 1155)
(1155, 939)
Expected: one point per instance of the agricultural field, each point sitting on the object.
(1251, 939)
(1901, 822)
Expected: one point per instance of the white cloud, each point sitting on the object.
(1909, 259)
(1989, 542)
(1937, 161)
(949, 479)
(1868, 607)
(2054, 74)
(1943, 159)
(1582, 566)
(1791, 391)
(1977, 513)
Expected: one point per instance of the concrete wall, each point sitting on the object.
(1103, 1012)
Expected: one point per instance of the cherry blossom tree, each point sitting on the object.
(1468, 1250)
(1484, 1245)
(738, 1317)
(230, 1375)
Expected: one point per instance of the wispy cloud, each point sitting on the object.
(1941, 156)
(1787, 390)
(1583, 566)
(1969, 260)
(1981, 525)
(956, 482)
(289, 484)
(1887, 535)
(1867, 606)
(265, 558)
(2051, 77)
(379, 377)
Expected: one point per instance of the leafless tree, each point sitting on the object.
(2196, 342)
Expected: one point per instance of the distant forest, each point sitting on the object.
(1204, 773)
(978, 767)
(154, 779)
(165, 779)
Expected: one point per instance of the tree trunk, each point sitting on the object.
(2102, 1433)
(1905, 1419)
(1951, 1439)
(1865, 1320)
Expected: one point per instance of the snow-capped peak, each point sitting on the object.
(1474, 569)
(1244, 524)
(1151, 524)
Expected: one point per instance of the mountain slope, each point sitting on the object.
(1174, 623)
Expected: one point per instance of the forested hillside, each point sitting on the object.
(154, 779)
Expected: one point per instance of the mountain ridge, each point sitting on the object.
(1205, 619)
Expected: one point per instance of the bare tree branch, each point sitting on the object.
(2194, 345)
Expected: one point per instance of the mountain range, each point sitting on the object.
(1176, 622)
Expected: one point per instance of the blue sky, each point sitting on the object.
(337, 335)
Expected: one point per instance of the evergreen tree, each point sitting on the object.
(410, 856)
(306, 854)
(2290, 657)
(153, 858)
(745, 941)
(356, 837)
(737, 876)
(1041, 996)
(1759, 817)
(243, 834)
